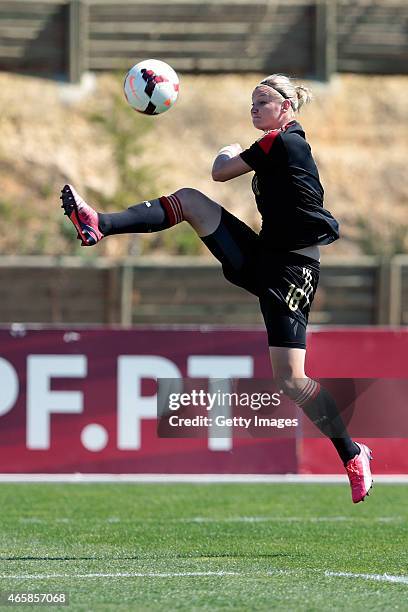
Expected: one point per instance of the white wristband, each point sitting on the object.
(226, 151)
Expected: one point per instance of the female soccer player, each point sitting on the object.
(280, 265)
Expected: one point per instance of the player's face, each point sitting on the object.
(267, 109)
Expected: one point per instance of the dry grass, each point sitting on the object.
(357, 127)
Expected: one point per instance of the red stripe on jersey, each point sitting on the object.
(267, 141)
(285, 127)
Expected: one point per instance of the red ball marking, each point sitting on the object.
(132, 86)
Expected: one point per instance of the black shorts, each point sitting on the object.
(285, 283)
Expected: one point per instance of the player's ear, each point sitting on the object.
(286, 105)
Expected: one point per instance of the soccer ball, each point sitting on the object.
(151, 87)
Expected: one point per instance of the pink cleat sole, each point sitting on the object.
(83, 217)
(359, 473)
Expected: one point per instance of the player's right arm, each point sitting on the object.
(229, 164)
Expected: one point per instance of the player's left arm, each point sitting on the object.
(229, 164)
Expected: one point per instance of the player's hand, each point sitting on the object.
(231, 150)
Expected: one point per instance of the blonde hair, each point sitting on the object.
(297, 94)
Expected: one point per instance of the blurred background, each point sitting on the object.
(63, 118)
(86, 315)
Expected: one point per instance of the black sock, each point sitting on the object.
(320, 407)
(150, 216)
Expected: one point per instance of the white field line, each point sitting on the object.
(232, 519)
(199, 478)
(287, 519)
(378, 577)
(328, 574)
(120, 575)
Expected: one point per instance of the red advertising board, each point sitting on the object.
(349, 352)
(84, 400)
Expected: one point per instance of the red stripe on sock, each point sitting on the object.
(304, 393)
(180, 206)
(171, 217)
(308, 393)
(316, 391)
(172, 206)
(177, 207)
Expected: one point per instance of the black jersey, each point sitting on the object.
(288, 191)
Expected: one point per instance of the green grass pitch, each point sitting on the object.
(206, 546)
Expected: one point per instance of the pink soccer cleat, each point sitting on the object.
(83, 216)
(359, 474)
